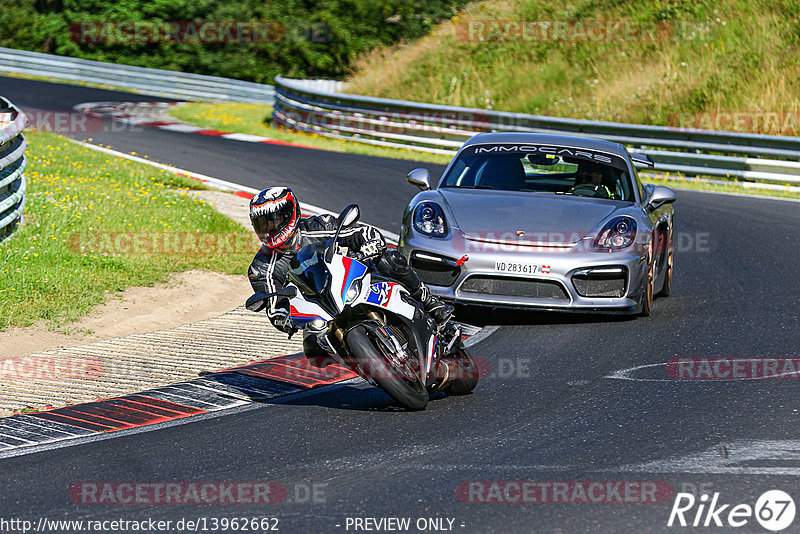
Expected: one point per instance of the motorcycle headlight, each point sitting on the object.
(353, 293)
(429, 219)
(618, 233)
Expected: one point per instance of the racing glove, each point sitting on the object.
(354, 241)
(365, 248)
(281, 320)
(372, 249)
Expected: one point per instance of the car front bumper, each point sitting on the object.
(558, 281)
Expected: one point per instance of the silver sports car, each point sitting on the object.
(542, 221)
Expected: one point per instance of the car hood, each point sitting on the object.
(542, 217)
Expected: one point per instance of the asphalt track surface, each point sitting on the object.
(546, 412)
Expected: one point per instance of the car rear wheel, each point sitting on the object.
(667, 286)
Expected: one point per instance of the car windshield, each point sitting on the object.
(541, 169)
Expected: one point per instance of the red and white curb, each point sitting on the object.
(214, 392)
(139, 114)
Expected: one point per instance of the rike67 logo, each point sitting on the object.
(774, 510)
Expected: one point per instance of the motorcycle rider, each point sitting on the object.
(275, 215)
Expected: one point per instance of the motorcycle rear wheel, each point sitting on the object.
(412, 395)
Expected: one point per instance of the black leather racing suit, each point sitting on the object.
(269, 269)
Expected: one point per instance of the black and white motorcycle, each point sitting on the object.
(371, 325)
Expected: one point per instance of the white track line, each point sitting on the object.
(745, 195)
(216, 182)
(480, 336)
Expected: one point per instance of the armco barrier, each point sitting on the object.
(12, 166)
(167, 83)
(442, 129)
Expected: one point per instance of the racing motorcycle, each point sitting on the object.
(370, 324)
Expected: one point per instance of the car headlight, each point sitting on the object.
(429, 219)
(353, 292)
(618, 233)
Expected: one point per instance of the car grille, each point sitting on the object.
(601, 282)
(600, 288)
(434, 273)
(515, 287)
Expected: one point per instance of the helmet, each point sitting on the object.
(588, 173)
(274, 213)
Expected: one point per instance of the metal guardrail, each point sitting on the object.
(167, 83)
(12, 166)
(443, 129)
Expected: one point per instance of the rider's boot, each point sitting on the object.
(445, 370)
(440, 311)
(392, 264)
(316, 355)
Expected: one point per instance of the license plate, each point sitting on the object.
(513, 267)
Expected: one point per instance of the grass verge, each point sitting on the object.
(679, 182)
(95, 224)
(701, 59)
(255, 119)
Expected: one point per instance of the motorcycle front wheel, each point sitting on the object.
(411, 394)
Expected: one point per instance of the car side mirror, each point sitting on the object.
(421, 178)
(661, 195)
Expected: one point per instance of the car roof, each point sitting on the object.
(574, 141)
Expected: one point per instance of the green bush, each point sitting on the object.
(321, 38)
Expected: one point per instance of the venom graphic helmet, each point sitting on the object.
(274, 213)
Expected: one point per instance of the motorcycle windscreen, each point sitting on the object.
(307, 269)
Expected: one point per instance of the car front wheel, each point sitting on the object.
(647, 294)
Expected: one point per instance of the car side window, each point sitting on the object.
(459, 171)
(639, 185)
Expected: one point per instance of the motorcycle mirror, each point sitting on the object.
(259, 300)
(349, 216)
(288, 292)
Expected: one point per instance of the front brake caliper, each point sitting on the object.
(451, 333)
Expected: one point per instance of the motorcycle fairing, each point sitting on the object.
(304, 311)
(344, 272)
